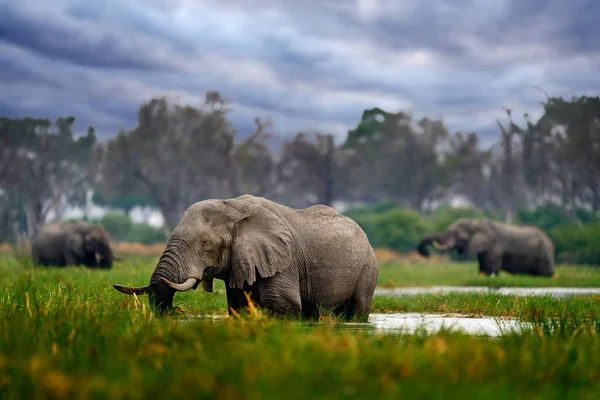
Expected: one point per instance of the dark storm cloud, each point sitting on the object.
(307, 64)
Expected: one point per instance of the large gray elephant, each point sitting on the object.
(291, 261)
(514, 249)
(72, 244)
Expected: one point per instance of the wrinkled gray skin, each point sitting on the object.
(291, 261)
(514, 249)
(72, 244)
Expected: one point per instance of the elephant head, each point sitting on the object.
(464, 235)
(96, 243)
(231, 239)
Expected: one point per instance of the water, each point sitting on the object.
(410, 322)
(559, 292)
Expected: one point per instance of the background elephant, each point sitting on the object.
(72, 244)
(514, 249)
(291, 260)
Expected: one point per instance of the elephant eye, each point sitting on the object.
(205, 243)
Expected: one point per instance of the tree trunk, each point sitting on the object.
(57, 207)
(34, 217)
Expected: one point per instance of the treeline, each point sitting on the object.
(388, 226)
(177, 155)
(576, 242)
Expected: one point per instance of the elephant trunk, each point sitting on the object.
(170, 276)
(422, 247)
(439, 242)
(160, 294)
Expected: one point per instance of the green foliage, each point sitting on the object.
(577, 244)
(118, 226)
(390, 227)
(92, 342)
(545, 217)
(146, 234)
(122, 229)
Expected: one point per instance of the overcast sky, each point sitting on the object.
(307, 64)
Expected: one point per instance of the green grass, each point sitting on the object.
(66, 333)
(467, 274)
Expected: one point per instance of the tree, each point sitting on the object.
(47, 168)
(178, 155)
(309, 169)
(252, 168)
(400, 160)
(466, 165)
(577, 124)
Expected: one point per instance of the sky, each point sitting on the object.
(308, 65)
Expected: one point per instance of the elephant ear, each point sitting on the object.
(262, 243)
(74, 241)
(481, 241)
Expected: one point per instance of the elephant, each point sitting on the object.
(290, 261)
(525, 250)
(72, 244)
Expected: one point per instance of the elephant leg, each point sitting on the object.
(281, 294)
(90, 260)
(363, 294)
(489, 263)
(71, 260)
(545, 267)
(236, 300)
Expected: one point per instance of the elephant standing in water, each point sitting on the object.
(291, 261)
(72, 244)
(514, 249)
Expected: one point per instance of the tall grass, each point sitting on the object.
(66, 333)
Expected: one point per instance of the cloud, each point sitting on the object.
(307, 65)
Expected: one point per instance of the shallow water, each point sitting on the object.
(559, 292)
(410, 322)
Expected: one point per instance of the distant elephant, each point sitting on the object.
(72, 244)
(514, 249)
(290, 261)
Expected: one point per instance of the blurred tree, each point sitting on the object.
(312, 170)
(178, 155)
(466, 164)
(252, 169)
(400, 160)
(49, 169)
(577, 131)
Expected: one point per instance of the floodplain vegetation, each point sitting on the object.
(66, 333)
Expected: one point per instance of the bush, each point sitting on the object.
(575, 244)
(146, 234)
(118, 226)
(397, 229)
(122, 229)
(444, 216)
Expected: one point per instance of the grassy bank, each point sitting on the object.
(467, 274)
(66, 333)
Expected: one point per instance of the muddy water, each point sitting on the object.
(559, 292)
(411, 322)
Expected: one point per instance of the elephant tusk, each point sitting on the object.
(180, 287)
(440, 246)
(132, 290)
